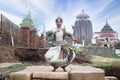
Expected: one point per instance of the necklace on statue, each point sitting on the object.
(59, 29)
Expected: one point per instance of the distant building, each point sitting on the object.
(106, 36)
(82, 30)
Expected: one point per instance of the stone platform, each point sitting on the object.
(74, 72)
(110, 78)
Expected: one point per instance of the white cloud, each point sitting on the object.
(42, 5)
(18, 5)
(15, 19)
(115, 23)
(115, 20)
(47, 11)
(101, 8)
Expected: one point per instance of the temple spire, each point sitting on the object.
(82, 11)
(82, 15)
(106, 22)
(106, 27)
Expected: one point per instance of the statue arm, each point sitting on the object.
(49, 33)
(70, 35)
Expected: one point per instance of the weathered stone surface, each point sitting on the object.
(74, 72)
(6, 54)
(20, 76)
(41, 72)
(86, 73)
(110, 78)
(46, 73)
(82, 30)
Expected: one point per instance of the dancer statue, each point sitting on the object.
(61, 55)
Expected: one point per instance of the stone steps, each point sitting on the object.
(74, 72)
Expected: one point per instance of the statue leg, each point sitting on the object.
(63, 67)
(54, 68)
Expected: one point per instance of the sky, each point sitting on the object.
(44, 12)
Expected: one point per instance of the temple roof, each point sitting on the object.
(107, 35)
(83, 15)
(107, 28)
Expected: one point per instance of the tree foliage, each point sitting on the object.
(117, 45)
(27, 20)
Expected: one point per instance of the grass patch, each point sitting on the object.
(13, 68)
(96, 63)
(114, 63)
(110, 56)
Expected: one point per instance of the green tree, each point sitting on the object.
(27, 20)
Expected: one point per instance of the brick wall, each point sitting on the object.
(6, 54)
(13, 35)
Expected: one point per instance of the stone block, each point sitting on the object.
(20, 76)
(51, 75)
(45, 72)
(86, 73)
(110, 78)
(74, 72)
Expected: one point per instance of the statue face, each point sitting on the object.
(58, 23)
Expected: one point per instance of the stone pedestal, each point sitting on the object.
(46, 73)
(74, 72)
(86, 73)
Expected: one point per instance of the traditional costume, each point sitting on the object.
(61, 54)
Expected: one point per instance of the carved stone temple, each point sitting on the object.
(82, 29)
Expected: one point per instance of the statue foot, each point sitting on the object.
(64, 69)
(54, 69)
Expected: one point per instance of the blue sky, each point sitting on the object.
(44, 12)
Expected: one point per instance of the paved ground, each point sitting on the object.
(102, 59)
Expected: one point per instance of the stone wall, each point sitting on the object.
(10, 33)
(13, 35)
(6, 54)
(100, 50)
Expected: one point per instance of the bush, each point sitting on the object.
(28, 54)
(111, 71)
(82, 56)
(117, 45)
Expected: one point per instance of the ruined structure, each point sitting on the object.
(12, 35)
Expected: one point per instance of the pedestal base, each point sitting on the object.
(74, 72)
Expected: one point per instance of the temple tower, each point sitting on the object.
(82, 28)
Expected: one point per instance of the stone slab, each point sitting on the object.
(45, 72)
(86, 73)
(110, 78)
(74, 72)
(20, 76)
